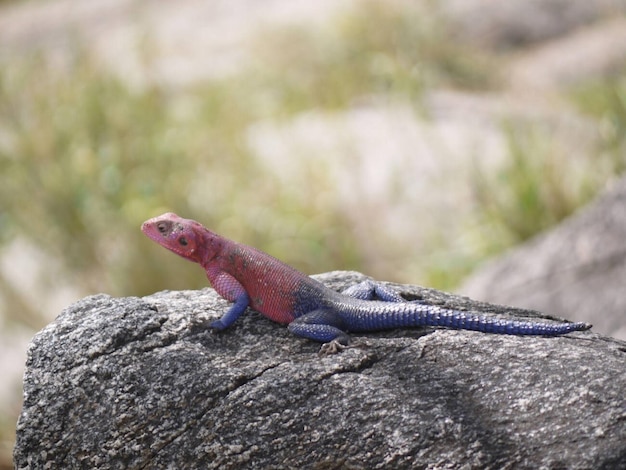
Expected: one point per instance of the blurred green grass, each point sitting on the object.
(604, 100)
(85, 157)
(381, 49)
(541, 183)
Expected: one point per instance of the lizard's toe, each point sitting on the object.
(332, 347)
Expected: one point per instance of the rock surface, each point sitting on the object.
(517, 23)
(141, 383)
(577, 270)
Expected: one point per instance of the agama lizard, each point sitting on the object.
(251, 278)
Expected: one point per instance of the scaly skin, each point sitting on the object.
(251, 278)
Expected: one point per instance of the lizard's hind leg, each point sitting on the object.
(370, 290)
(320, 325)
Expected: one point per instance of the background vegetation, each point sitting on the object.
(85, 158)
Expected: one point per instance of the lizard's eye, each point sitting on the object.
(183, 241)
(162, 227)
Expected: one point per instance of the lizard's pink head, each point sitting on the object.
(182, 236)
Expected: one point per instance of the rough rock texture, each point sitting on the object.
(141, 383)
(577, 270)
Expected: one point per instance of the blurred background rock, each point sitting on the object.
(412, 141)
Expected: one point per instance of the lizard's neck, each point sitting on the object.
(213, 245)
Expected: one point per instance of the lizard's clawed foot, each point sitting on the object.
(217, 325)
(332, 347)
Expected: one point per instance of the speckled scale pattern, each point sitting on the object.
(383, 315)
(251, 278)
(272, 286)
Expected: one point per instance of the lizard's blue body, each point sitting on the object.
(333, 314)
(249, 277)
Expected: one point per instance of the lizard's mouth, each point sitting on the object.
(157, 231)
(170, 235)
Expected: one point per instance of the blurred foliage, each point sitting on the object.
(382, 49)
(605, 101)
(85, 158)
(540, 184)
(82, 159)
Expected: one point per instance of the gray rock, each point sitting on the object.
(519, 23)
(577, 270)
(593, 53)
(141, 383)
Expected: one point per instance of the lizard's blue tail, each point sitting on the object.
(372, 316)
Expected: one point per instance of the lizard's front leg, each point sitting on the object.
(232, 313)
(229, 288)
